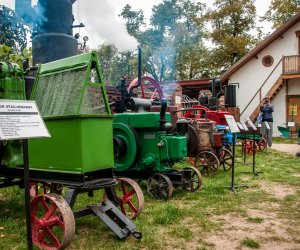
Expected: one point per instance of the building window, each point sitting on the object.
(268, 61)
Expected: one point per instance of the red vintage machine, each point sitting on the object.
(205, 148)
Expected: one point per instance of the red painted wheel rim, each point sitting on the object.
(131, 198)
(53, 224)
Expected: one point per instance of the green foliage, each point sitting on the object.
(280, 11)
(12, 30)
(250, 243)
(232, 21)
(115, 64)
(173, 44)
(134, 20)
(7, 54)
(256, 219)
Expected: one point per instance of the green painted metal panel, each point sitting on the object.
(67, 63)
(71, 97)
(177, 147)
(78, 145)
(149, 121)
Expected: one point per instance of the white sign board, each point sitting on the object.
(251, 124)
(240, 126)
(291, 124)
(244, 126)
(232, 124)
(177, 99)
(21, 120)
(267, 125)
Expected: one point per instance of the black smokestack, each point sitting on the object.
(52, 21)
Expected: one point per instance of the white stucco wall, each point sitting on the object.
(252, 76)
(279, 111)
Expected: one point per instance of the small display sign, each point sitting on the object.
(251, 124)
(177, 99)
(267, 125)
(232, 124)
(21, 120)
(240, 126)
(244, 126)
(291, 124)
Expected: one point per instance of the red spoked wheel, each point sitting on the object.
(262, 144)
(208, 163)
(53, 223)
(131, 198)
(247, 146)
(191, 160)
(149, 88)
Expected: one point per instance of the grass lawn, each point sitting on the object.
(265, 215)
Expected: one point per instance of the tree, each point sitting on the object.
(134, 20)
(280, 11)
(12, 30)
(107, 54)
(115, 64)
(173, 28)
(7, 54)
(231, 20)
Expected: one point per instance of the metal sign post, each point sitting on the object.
(22, 120)
(250, 123)
(27, 194)
(234, 129)
(244, 149)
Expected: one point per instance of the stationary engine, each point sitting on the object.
(142, 141)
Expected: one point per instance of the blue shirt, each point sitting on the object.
(267, 110)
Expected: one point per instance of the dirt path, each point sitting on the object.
(290, 149)
(262, 227)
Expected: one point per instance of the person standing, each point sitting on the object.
(267, 110)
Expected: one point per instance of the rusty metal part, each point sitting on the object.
(226, 159)
(195, 181)
(262, 144)
(44, 188)
(160, 187)
(53, 223)
(207, 162)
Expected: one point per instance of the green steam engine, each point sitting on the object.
(146, 146)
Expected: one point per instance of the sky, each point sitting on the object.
(103, 25)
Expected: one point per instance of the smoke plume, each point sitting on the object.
(102, 26)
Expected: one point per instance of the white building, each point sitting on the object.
(271, 69)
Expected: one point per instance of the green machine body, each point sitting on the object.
(71, 97)
(140, 144)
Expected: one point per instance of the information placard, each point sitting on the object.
(244, 126)
(240, 126)
(267, 125)
(232, 124)
(251, 124)
(21, 120)
(291, 124)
